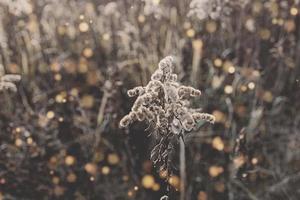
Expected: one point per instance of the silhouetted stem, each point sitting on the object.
(182, 169)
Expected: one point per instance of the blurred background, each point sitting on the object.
(60, 135)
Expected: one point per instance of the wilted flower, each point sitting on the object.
(163, 103)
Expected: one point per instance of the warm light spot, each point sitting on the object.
(156, 2)
(92, 178)
(228, 89)
(106, 36)
(113, 159)
(105, 170)
(18, 142)
(130, 193)
(141, 18)
(268, 96)
(256, 73)
(215, 171)
(136, 188)
(250, 25)
(71, 178)
(274, 21)
(53, 160)
(55, 66)
(294, 11)
(163, 173)
(2, 181)
(265, 34)
(190, 32)
(83, 27)
(219, 116)
(148, 181)
(50, 114)
(59, 98)
(251, 85)
(211, 26)
(254, 161)
(289, 26)
(202, 196)
(156, 187)
(74, 92)
(91, 168)
(231, 70)
(238, 161)
(218, 144)
(257, 6)
(57, 77)
(243, 88)
(280, 22)
(81, 17)
(197, 45)
(125, 178)
(55, 180)
(88, 52)
(218, 62)
(87, 101)
(29, 140)
(227, 64)
(174, 181)
(70, 160)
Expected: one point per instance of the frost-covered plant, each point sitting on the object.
(203, 9)
(7, 82)
(164, 104)
(17, 7)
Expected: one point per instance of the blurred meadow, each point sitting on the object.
(60, 136)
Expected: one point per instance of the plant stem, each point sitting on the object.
(182, 169)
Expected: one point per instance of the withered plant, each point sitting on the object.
(165, 105)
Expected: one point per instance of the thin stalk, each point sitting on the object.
(182, 169)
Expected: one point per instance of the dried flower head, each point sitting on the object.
(164, 104)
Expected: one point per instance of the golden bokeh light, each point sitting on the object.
(50, 114)
(113, 159)
(174, 181)
(71, 178)
(70, 160)
(228, 89)
(148, 181)
(105, 170)
(215, 171)
(218, 143)
(83, 27)
(91, 168)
